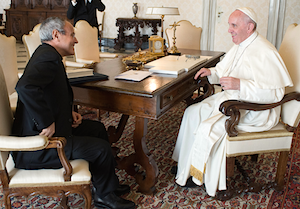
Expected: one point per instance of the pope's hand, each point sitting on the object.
(230, 83)
(202, 73)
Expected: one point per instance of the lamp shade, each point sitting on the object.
(162, 11)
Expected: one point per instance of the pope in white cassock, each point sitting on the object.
(251, 71)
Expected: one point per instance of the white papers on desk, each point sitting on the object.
(74, 64)
(133, 75)
(174, 64)
(75, 73)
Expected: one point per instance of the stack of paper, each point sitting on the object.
(133, 75)
(175, 64)
(75, 73)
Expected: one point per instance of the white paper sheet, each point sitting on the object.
(133, 75)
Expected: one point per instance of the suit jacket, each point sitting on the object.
(45, 96)
(85, 12)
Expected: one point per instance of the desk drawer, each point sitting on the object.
(178, 93)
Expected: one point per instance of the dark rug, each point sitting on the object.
(161, 139)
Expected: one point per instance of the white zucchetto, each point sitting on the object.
(249, 12)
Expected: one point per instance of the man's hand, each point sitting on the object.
(230, 83)
(202, 73)
(49, 131)
(77, 119)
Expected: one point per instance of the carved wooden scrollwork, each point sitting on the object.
(232, 109)
(128, 24)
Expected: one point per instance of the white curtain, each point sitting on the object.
(276, 21)
(208, 24)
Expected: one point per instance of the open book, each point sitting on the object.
(175, 64)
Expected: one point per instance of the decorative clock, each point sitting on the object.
(156, 45)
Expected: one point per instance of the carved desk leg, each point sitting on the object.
(142, 157)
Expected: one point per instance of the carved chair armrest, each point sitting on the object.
(232, 109)
(59, 143)
(205, 89)
(33, 143)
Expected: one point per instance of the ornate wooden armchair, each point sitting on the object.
(187, 35)
(74, 177)
(279, 138)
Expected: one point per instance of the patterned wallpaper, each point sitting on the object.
(191, 10)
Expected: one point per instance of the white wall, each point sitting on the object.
(191, 10)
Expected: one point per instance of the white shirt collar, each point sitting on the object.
(249, 40)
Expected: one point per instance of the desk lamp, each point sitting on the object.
(162, 11)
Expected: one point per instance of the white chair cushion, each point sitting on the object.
(276, 139)
(49, 177)
(14, 143)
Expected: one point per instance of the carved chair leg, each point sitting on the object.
(281, 169)
(254, 158)
(230, 191)
(64, 200)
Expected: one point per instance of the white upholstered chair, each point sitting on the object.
(32, 40)
(187, 35)
(279, 138)
(87, 48)
(74, 177)
(8, 61)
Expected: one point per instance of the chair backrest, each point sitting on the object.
(32, 40)
(6, 118)
(8, 61)
(187, 35)
(289, 51)
(100, 18)
(87, 47)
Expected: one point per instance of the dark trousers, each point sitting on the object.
(90, 142)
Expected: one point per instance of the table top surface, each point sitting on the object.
(147, 87)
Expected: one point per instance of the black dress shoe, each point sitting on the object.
(112, 201)
(122, 189)
(190, 183)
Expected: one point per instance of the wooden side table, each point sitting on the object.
(130, 23)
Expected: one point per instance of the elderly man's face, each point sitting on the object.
(239, 27)
(67, 40)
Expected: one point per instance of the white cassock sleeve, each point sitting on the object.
(249, 92)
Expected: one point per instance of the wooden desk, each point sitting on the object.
(130, 23)
(150, 98)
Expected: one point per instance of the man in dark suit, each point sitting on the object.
(45, 108)
(85, 10)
